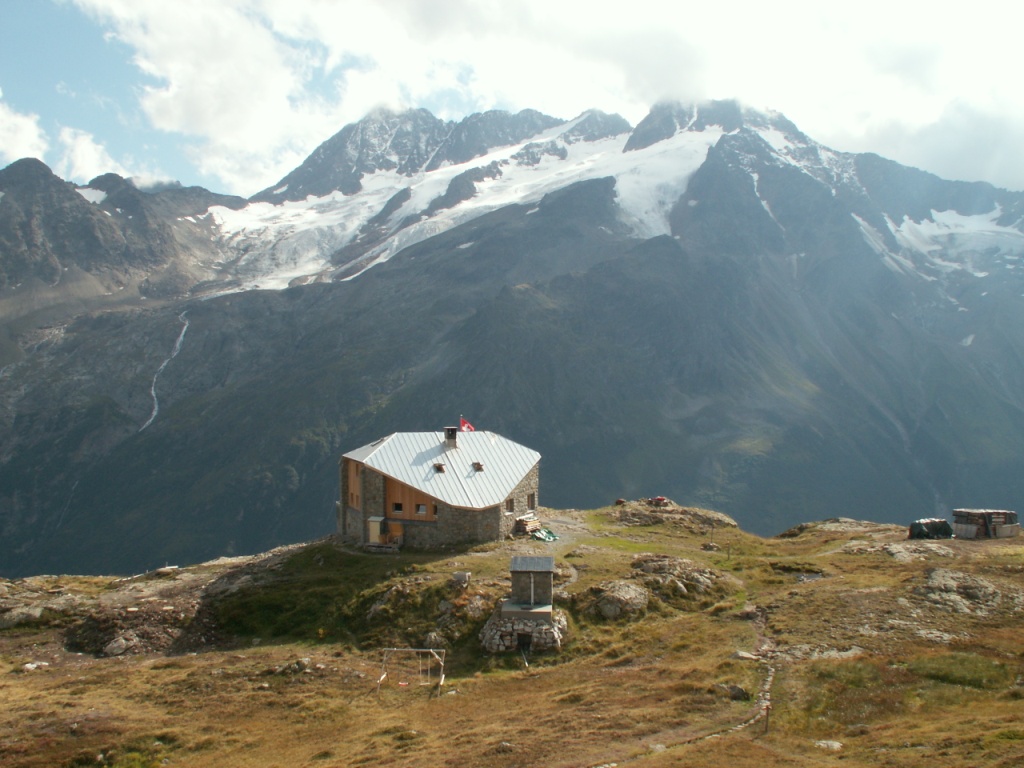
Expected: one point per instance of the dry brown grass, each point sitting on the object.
(643, 693)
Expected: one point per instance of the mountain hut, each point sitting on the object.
(985, 524)
(429, 490)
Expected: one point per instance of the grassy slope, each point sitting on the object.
(860, 659)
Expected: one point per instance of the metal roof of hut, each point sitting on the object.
(533, 564)
(471, 470)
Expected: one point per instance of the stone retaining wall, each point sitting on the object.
(501, 634)
(454, 526)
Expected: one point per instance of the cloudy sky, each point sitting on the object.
(232, 94)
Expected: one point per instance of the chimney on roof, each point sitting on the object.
(451, 437)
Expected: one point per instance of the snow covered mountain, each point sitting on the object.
(398, 191)
(395, 179)
(404, 184)
(709, 305)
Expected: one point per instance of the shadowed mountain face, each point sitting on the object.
(66, 250)
(810, 334)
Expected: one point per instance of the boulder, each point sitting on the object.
(734, 692)
(620, 599)
(121, 644)
(20, 615)
(435, 639)
(829, 745)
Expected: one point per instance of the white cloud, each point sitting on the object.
(224, 78)
(20, 135)
(963, 143)
(257, 84)
(83, 159)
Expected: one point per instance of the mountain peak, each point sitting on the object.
(110, 183)
(667, 118)
(482, 131)
(406, 142)
(594, 124)
(28, 171)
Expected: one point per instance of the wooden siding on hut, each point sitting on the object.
(410, 499)
(355, 484)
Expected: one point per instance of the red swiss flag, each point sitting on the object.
(465, 426)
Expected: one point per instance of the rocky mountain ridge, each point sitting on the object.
(424, 176)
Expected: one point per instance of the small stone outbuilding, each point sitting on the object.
(527, 619)
(533, 584)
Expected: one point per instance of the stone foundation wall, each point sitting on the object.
(501, 634)
(354, 529)
(457, 526)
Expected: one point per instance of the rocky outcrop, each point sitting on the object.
(460, 189)
(37, 600)
(675, 576)
(112, 632)
(677, 582)
(659, 511)
(962, 593)
(618, 600)
(902, 551)
(534, 152)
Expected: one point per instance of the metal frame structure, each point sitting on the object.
(425, 658)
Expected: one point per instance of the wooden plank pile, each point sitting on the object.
(527, 524)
